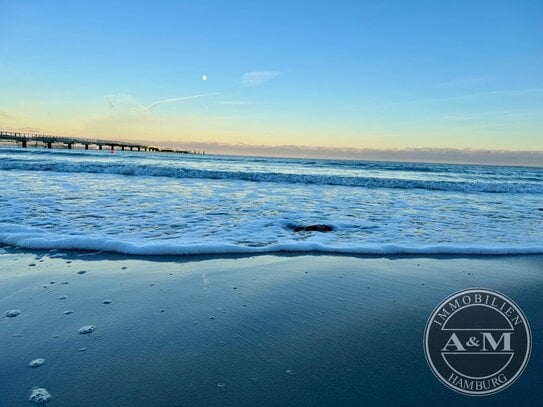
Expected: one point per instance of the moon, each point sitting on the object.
(204, 77)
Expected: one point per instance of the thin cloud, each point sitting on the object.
(239, 103)
(125, 101)
(468, 96)
(465, 81)
(179, 99)
(6, 116)
(495, 115)
(256, 78)
(510, 92)
(438, 155)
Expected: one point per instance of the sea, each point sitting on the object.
(176, 204)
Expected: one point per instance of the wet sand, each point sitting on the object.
(288, 330)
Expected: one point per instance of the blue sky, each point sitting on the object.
(381, 75)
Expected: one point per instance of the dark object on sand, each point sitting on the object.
(310, 228)
(540, 209)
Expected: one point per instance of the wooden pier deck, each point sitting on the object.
(48, 141)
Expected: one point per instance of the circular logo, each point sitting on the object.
(477, 341)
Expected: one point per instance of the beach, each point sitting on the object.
(271, 204)
(224, 330)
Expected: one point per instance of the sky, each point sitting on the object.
(320, 75)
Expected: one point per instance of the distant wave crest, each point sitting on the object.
(274, 177)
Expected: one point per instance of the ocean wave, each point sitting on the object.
(156, 170)
(32, 238)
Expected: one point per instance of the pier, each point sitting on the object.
(48, 141)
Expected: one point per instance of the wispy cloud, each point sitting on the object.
(505, 92)
(466, 81)
(125, 101)
(179, 99)
(256, 78)
(495, 115)
(239, 103)
(6, 116)
(442, 155)
(122, 102)
(528, 92)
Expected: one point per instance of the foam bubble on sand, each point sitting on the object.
(57, 256)
(12, 313)
(39, 396)
(106, 302)
(37, 362)
(221, 385)
(87, 329)
(290, 372)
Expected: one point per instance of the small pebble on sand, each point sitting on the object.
(12, 313)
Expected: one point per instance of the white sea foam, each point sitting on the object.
(37, 362)
(39, 396)
(39, 241)
(182, 205)
(87, 329)
(157, 170)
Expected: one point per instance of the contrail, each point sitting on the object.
(160, 102)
